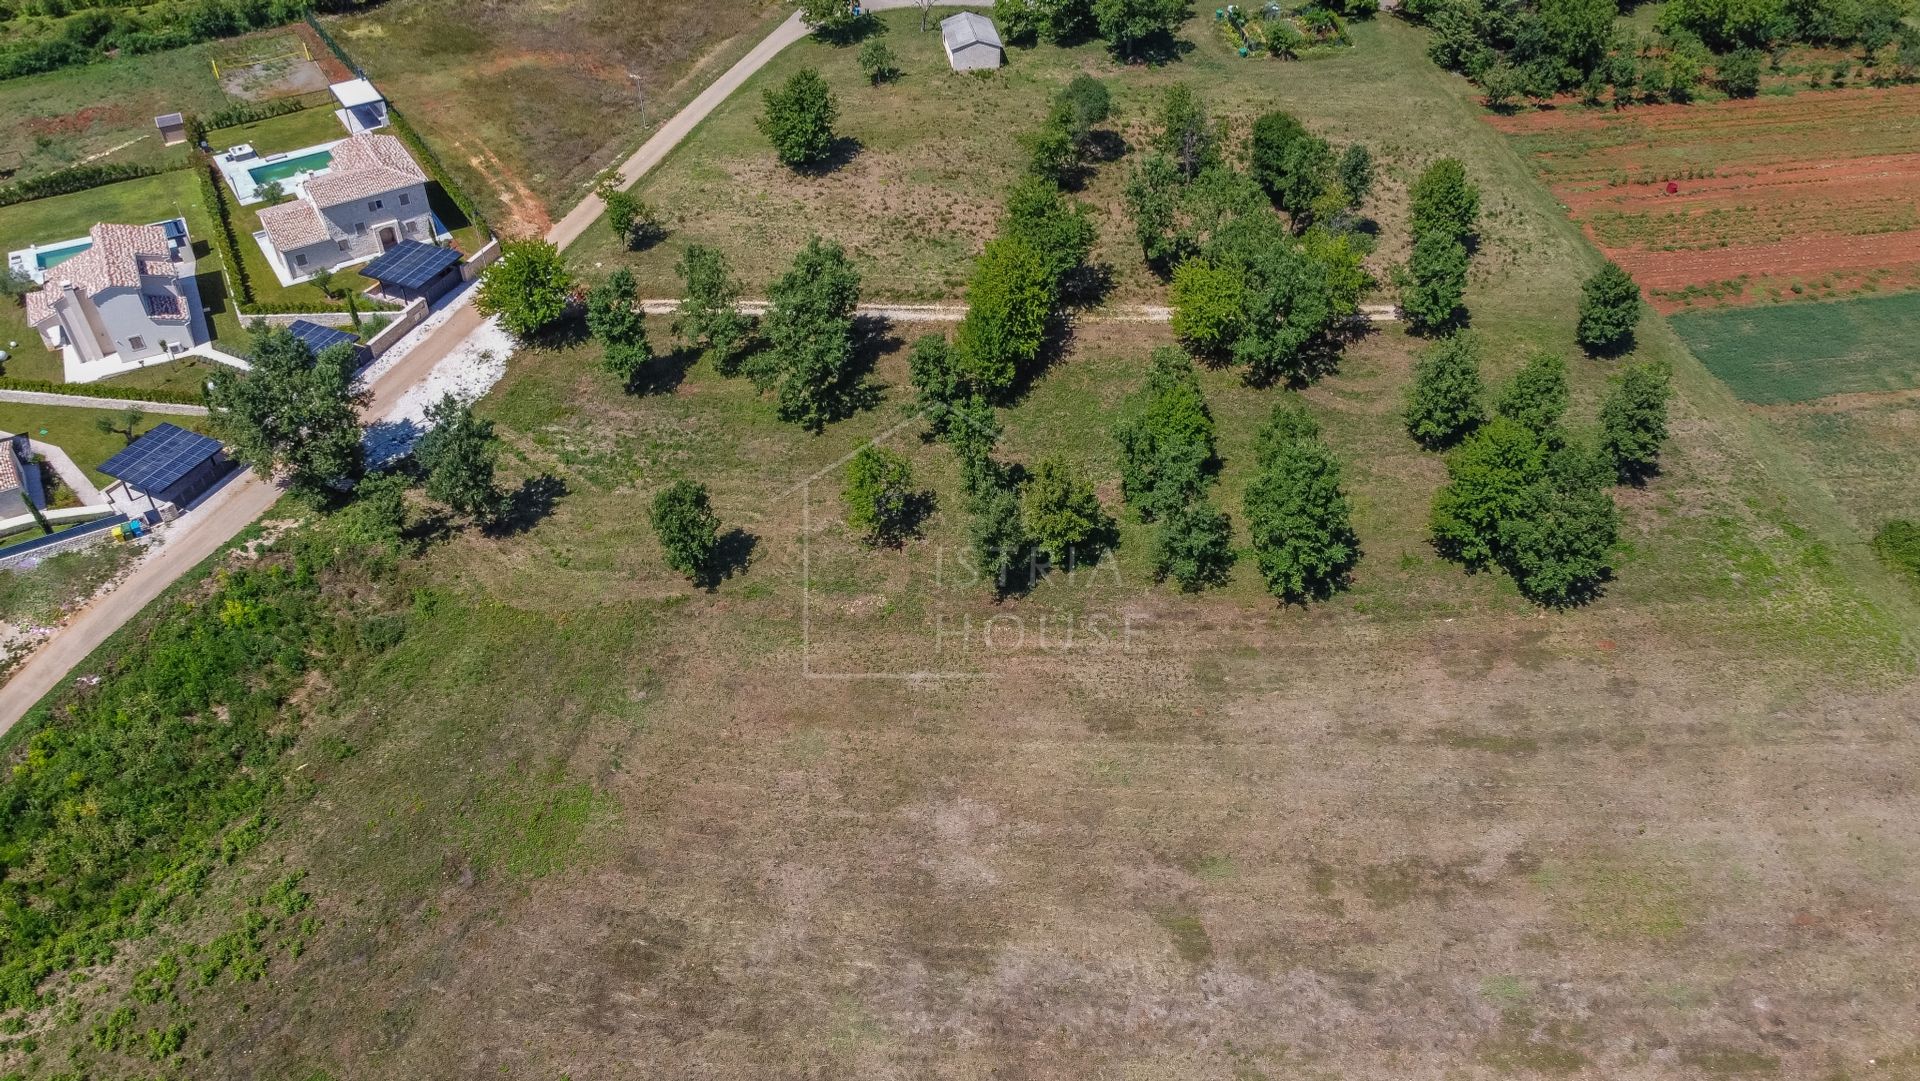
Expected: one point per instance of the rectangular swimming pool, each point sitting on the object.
(281, 170)
(48, 258)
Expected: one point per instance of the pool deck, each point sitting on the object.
(238, 171)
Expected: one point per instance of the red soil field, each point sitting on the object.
(1774, 196)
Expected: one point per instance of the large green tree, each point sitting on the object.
(1184, 133)
(1445, 399)
(459, 453)
(528, 287)
(1299, 514)
(1166, 437)
(1610, 307)
(998, 536)
(292, 415)
(1445, 201)
(809, 331)
(1292, 163)
(709, 316)
(1193, 545)
(798, 119)
(689, 533)
(1209, 306)
(1536, 397)
(1009, 303)
(1434, 283)
(614, 318)
(1633, 420)
(1558, 547)
(1063, 515)
(1130, 25)
(1489, 480)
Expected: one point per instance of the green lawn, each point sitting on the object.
(62, 217)
(279, 134)
(73, 430)
(1799, 352)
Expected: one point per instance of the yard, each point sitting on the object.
(104, 112)
(846, 815)
(75, 430)
(525, 104)
(1420, 830)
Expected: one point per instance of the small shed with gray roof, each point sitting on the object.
(971, 42)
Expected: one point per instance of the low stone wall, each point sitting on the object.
(479, 260)
(325, 319)
(79, 536)
(414, 314)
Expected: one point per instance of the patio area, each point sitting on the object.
(252, 176)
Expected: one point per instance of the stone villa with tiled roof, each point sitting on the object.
(372, 196)
(120, 299)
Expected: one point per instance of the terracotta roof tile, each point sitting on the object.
(363, 166)
(294, 225)
(9, 469)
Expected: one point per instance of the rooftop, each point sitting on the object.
(319, 338)
(355, 92)
(364, 165)
(968, 28)
(117, 258)
(410, 264)
(294, 224)
(158, 459)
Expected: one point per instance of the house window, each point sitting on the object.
(299, 260)
(411, 227)
(375, 205)
(406, 198)
(360, 228)
(343, 245)
(136, 343)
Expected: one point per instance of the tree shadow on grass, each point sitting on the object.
(732, 555)
(528, 505)
(567, 331)
(663, 373)
(840, 153)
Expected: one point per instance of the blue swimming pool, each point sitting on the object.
(48, 258)
(281, 170)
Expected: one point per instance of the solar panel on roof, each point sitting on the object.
(158, 459)
(410, 264)
(319, 338)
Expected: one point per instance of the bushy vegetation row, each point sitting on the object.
(249, 112)
(1540, 48)
(103, 390)
(76, 178)
(52, 34)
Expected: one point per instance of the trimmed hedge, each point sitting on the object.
(76, 178)
(100, 390)
(215, 198)
(305, 307)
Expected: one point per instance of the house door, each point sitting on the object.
(387, 237)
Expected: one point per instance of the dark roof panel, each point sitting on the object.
(158, 459)
(410, 264)
(319, 338)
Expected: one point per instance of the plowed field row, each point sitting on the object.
(1768, 196)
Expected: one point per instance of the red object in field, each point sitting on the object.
(1672, 188)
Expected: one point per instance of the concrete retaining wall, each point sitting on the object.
(413, 316)
(479, 260)
(79, 536)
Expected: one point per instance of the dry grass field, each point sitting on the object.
(526, 102)
(844, 816)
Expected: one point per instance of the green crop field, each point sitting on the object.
(1800, 352)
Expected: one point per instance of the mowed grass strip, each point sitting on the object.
(1799, 352)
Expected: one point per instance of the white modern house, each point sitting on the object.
(369, 197)
(362, 108)
(126, 298)
(971, 41)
